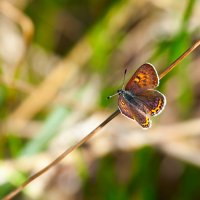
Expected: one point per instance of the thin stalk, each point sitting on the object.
(92, 133)
(61, 156)
(179, 59)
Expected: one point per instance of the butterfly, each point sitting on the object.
(139, 100)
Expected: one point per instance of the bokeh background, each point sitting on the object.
(59, 60)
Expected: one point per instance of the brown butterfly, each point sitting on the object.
(139, 99)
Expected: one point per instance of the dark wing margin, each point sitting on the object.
(133, 113)
(145, 77)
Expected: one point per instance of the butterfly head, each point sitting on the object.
(120, 92)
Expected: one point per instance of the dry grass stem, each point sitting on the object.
(27, 27)
(14, 14)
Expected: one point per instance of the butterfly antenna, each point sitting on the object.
(124, 78)
(122, 85)
(112, 96)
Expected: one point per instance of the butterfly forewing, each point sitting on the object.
(130, 111)
(144, 78)
(153, 101)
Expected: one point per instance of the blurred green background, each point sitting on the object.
(59, 60)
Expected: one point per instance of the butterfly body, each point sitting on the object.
(139, 100)
(131, 99)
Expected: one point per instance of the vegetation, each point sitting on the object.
(59, 60)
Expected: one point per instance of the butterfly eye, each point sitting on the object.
(119, 91)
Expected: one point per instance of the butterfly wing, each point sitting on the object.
(153, 100)
(132, 112)
(144, 78)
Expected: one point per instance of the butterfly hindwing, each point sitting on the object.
(153, 100)
(144, 78)
(125, 107)
(132, 112)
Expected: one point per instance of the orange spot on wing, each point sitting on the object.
(146, 124)
(158, 107)
(136, 80)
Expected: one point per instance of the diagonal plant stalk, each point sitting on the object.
(92, 133)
